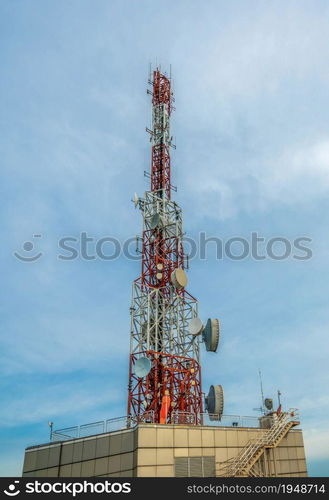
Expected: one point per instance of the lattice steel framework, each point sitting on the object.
(160, 312)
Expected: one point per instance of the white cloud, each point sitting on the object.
(65, 344)
(298, 175)
(254, 118)
(55, 401)
(316, 442)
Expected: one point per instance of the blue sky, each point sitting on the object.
(251, 82)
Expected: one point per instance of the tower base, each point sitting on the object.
(153, 450)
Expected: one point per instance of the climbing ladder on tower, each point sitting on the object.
(242, 464)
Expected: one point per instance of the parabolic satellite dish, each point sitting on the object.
(135, 199)
(211, 334)
(195, 327)
(215, 402)
(142, 367)
(268, 403)
(178, 278)
(155, 221)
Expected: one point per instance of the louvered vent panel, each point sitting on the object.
(181, 467)
(209, 467)
(195, 467)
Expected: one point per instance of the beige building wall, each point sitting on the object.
(153, 450)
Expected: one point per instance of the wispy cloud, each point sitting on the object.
(251, 126)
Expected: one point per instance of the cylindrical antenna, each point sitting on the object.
(279, 396)
(51, 425)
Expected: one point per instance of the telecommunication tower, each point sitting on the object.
(166, 332)
(164, 364)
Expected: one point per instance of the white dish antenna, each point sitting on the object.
(195, 327)
(155, 221)
(135, 199)
(142, 367)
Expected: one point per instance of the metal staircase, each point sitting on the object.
(241, 465)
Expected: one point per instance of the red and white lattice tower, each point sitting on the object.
(164, 368)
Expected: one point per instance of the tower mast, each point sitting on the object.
(164, 367)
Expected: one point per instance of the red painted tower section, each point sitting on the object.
(170, 391)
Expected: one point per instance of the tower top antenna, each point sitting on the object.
(165, 371)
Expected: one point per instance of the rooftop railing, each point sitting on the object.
(119, 423)
(110, 425)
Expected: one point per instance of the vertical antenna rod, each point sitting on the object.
(261, 388)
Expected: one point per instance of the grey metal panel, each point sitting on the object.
(76, 470)
(30, 461)
(42, 458)
(127, 461)
(77, 451)
(67, 454)
(114, 464)
(65, 471)
(181, 467)
(41, 473)
(54, 455)
(127, 473)
(101, 466)
(135, 458)
(89, 449)
(115, 444)
(102, 446)
(136, 436)
(88, 468)
(52, 471)
(127, 442)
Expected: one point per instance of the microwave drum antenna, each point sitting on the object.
(215, 402)
(211, 334)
